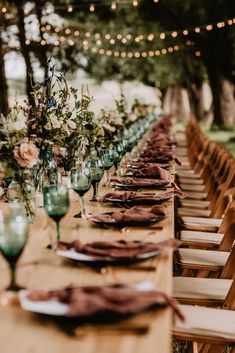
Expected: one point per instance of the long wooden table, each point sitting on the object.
(39, 267)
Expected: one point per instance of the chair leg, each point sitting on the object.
(213, 349)
(202, 274)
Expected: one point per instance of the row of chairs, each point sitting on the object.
(206, 227)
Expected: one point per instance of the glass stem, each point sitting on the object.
(58, 230)
(13, 285)
(107, 177)
(95, 191)
(83, 207)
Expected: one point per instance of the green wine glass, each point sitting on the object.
(56, 203)
(81, 183)
(97, 172)
(107, 161)
(13, 235)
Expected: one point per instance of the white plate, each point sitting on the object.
(50, 307)
(74, 255)
(55, 308)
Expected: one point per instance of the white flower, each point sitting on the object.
(55, 122)
(66, 129)
(48, 126)
(108, 127)
(132, 117)
(20, 122)
(71, 124)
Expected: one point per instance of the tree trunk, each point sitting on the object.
(216, 83)
(25, 52)
(43, 55)
(228, 102)
(4, 106)
(196, 99)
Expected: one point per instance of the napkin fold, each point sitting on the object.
(89, 301)
(152, 171)
(135, 196)
(138, 181)
(134, 214)
(120, 249)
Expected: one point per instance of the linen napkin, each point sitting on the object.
(152, 171)
(138, 181)
(89, 301)
(135, 196)
(134, 214)
(120, 249)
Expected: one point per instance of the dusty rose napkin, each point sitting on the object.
(148, 164)
(131, 196)
(153, 171)
(120, 249)
(134, 214)
(88, 301)
(139, 181)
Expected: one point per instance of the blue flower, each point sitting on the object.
(51, 102)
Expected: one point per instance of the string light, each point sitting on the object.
(122, 54)
(113, 6)
(140, 37)
(92, 8)
(198, 53)
(70, 8)
(135, 3)
(4, 10)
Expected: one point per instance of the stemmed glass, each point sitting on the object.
(13, 235)
(81, 183)
(117, 156)
(107, 161)
(56, 203)
(97, 172)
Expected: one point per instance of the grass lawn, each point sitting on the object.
(225, 137)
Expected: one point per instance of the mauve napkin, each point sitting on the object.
(134, 214)
(89, 301)
(153, 171)
(148, 164)
(138, 181)
(120, 249)
(135, 196)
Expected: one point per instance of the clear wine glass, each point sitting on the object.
(56, 203)
(81, 183)
(13, 235)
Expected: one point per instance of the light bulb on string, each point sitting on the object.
(4, 10)
(135, 2)
(70, 8)
(113, 6)
(92, 8)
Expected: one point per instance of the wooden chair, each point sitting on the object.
(202, 262)
(211, 240)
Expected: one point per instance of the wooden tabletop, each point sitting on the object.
(39, 267)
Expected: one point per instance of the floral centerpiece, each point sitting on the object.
(18, 153)
(62, 118)
(110, 124)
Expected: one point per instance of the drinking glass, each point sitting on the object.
(116, 157)
(56, 203)
(81, 183)
(106, 159)
(97, 172)
(13, 235)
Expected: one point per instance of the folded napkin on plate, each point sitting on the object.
(89, 301)
(153, 171)
(131, 196)
(134, 214)
(137, 181)
(148, 164)
(120, 249)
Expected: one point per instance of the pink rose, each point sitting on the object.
(26, 154)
